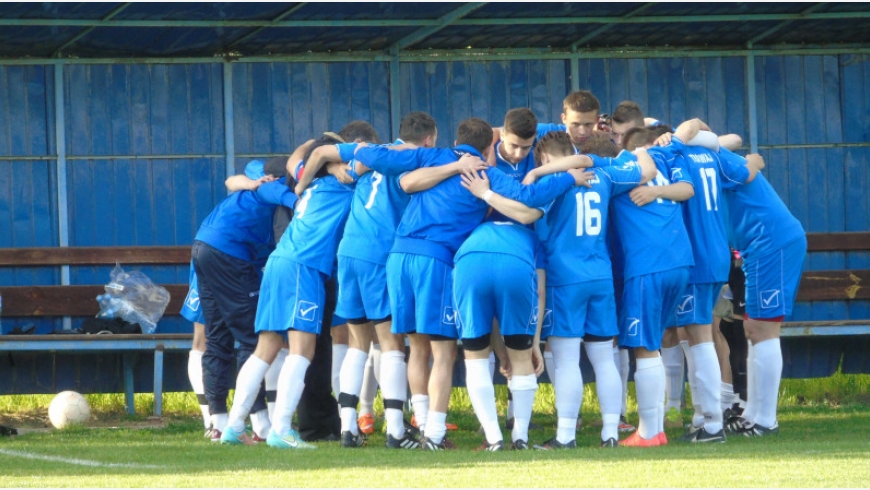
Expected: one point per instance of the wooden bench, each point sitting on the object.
(79, 301)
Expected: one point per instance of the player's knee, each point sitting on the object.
(519, 342)
(476, 344)
(357, 321)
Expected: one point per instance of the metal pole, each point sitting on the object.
(750, 95)
(62, 191)
(395, 96)
(229, 141)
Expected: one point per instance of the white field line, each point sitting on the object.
(80, 462)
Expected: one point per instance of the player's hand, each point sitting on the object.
(359, 146)
(476, 183)
(339, 171)
(582, 176)
(504, 367)
(644, 194)
(537, 360)
(530, 178)
(470, 163)
(664, 140)
(756, 160)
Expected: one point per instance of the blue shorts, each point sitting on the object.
(582, 308)
(421, 290)
(695, 304)
(489, 286)
(772, 280)
(647, 305)
(292, 297)
(191, 309)
(362, 289)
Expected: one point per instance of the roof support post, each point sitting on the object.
(752, 105)
(229, 134)
(62, 185)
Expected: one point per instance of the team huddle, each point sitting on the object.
(579, 235)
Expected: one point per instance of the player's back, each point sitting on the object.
(758, 219)
(318, 224)
(506, 237)
(653, 237)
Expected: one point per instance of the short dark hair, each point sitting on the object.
(554, 142)
(416, 126)
(601, 145)
(276, 167)
(359, 130)
(660, 129)
(627, 111)
(581, 101)
(636, 137)
(522, 122)
(474, 132)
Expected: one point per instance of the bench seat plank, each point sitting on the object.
(47, 256)
(70, 300)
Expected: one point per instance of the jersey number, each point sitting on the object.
(376, 179)
(711, 192)
(588, 218)
(659, 180)
(302, 205)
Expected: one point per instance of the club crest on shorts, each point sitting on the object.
(770, 298)
(306, 310)
(192, 301)
(449, 317)
(547, 320)
(686, 304)
(633, 326)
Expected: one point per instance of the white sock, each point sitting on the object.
(550, 367)
(436, 427)
(248, 383)
(338, 353)
(481, 392)
(491, 368)
(607, 386)
(708, 378)
(623, 364)
(351, 382)
(394, 388)
(375, 352)
(727, 395)
(420, 404)
(291, 382)
(369, 389)
(194, 374)
(272, 379)
(219, 421)
(260, 423)
(649, 382)
(768, 373)
(697, 411)
(568, 386)
(673, 360)
(523, 389)
(751, 394)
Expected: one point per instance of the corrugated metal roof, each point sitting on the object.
(45, 30)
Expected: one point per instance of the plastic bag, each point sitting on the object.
(132, 297)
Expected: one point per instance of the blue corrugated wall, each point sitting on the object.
(146, 143)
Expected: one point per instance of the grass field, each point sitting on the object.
(823, 443)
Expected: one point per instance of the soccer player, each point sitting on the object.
(626, 116)
(228, 253)
(192, 312)
(420, 263)
(580, 284)
(773, 246)
(710, 175)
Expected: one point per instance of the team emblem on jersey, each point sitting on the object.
(676, 172)
(449, 315)
(548, 318)
(192, 301)
(633, 326)
(306, 310)
(686, 304)
(770, 298)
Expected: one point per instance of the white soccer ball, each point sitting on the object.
(67, 408)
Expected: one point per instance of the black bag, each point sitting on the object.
(106, 325)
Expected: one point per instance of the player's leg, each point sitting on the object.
(599, 331)
(369, 389)
(248, 382)
(674, 363)
(291, 382)
(192, 311)
(340, 345)
(352, 369)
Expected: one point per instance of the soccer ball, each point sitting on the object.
(67, 408)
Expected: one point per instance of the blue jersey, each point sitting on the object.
(516, 171)
(377, 208)
(439, 219)
(317, 226)
(505, 237)
(758, 220)
(576, 247)
(701, 214)
(653, 236)
(241, 225)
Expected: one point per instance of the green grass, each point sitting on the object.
(823, 443)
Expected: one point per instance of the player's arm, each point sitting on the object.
(242, 182)
(318, 158)
(648, 168)
(645, 194)
(562, 164)
(293, 163)
(754, 162)
(428, 177)
(538, 194)
(277, 193)
(537, 357)
(478, 184)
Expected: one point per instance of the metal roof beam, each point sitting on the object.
(258, 30)
(607, 27)
(660, 19)
(779, 26)
(443, 21)
(109, 16)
